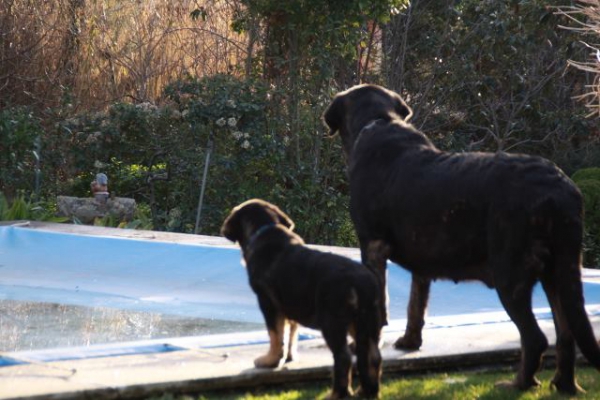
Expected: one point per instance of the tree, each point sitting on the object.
(486, 75)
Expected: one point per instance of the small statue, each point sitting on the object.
(100, 188)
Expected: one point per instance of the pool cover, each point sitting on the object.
(195, 280)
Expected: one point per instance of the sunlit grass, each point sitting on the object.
(442, 386)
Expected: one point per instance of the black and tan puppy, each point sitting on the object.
(295, 284)
(507, 220)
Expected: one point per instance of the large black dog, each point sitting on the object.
(295, 284)
(506, 220)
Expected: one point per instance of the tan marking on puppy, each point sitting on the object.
(352, 334)
(374, 362)
(276, 347)
(352, 331)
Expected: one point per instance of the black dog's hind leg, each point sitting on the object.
(515, 295)
(417, 306)
(564, 377)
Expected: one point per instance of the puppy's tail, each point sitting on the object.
(368, 333)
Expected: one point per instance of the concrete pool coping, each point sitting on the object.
(195, 370)
(193, 367)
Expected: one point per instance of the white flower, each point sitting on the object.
(286, 140)
(185, 112)
(221, 122)
(231, 122)
(175, 213)
(231, 103)
(246, 144)
(237, 135)
(246, 135)
(146, 106)
(99, 164)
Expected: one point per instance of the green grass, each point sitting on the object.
(443, 386)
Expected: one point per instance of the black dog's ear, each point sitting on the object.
(334, 115)
(282, 217)
(232, 227)
(402, 108)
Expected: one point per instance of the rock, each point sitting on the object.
(87, 210)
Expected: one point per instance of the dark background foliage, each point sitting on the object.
(141, 92)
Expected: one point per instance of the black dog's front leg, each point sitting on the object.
(275, 322)
(375, 254)
(417, 306)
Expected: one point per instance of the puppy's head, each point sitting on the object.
(353, 109)
(245, 219)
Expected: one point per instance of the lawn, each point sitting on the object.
(443, 386)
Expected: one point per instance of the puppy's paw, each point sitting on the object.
(292, 356)
(342, 393)
(267, 361)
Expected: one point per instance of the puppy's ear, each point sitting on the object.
(334, 115)
(282, 217)
(232, 227)
(402, 108)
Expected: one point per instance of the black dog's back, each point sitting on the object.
(434, 206)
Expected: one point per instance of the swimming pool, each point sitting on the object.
(83, 288)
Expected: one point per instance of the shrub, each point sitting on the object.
(22, 207)
(20, 132)
(588, 181)
(592, 173)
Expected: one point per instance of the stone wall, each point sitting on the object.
(87, 210)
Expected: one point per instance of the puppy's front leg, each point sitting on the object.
(293, 341)
(375, 254)
(276, 326)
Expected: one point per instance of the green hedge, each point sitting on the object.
(586, 174)
(588, 181)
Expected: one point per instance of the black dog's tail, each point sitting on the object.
(368, 333)
(567, 273)
(570, 293)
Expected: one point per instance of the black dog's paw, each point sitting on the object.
(407, 342)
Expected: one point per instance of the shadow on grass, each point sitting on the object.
(439, 386)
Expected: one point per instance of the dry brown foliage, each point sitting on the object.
(585, 16)
(88, 53)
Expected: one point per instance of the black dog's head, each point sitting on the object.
(247, 218)
(353, 109)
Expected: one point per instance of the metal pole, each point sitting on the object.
(209, 149)
(36, 154)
